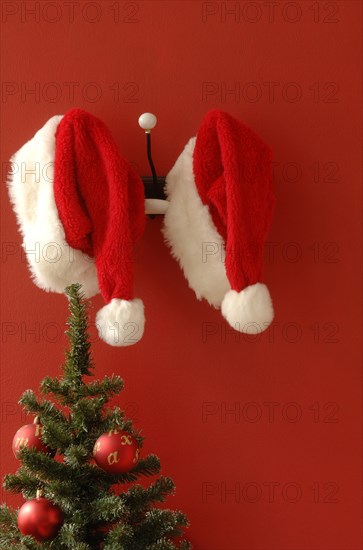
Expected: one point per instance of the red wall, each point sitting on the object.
(276, 419)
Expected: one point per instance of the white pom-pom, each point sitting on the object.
(147, 121)
(121, 322)
(249, 311)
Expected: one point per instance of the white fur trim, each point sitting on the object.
(121, 322)
(250, 310)
(190, 232)
(53, 264)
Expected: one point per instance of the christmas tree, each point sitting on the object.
(79, 464)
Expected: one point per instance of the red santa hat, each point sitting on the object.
(220, 209)
(80, 209)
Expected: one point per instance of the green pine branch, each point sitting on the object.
(139, 498)
(42, 408)
(78, 358)
(120, 538)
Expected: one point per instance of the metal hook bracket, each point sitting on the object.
(155, 202)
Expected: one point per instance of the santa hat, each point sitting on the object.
(80, 208)
(220, 209)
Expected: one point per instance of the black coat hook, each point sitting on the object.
(154, 185)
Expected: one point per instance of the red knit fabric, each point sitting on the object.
(232, 169)
(100, 200)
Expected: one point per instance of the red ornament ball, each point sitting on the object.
(30, 436)
(116, 452)
(40, 518)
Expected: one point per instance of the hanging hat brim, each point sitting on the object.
(52, 262)
(191, 234)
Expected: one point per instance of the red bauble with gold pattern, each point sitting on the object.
(40, 518)
(30, 436)
(116, 452)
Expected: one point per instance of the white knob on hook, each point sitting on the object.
(147, 121)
